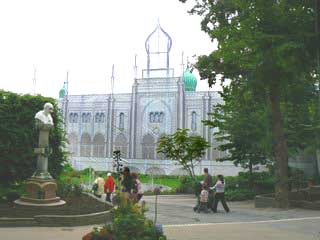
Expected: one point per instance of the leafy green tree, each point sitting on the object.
(187, 150)
(269, 44)
(242, 128)
(19, 137)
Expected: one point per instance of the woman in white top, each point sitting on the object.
(219, 196)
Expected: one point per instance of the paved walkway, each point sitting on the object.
(181, 223)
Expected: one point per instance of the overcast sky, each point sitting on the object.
(86, 38)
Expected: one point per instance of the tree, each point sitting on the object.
(186, 150)
(242, 128)
(19, 137)
(269, 44)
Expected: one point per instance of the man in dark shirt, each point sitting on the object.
(127, 181)
(208, 181)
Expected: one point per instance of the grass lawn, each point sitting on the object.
(170, 181)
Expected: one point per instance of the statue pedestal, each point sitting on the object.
(41, 187)
(40, 192)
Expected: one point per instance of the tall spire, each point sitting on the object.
(135, 67)
(182, 62)
(112, 79)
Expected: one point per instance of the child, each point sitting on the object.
(203, 205)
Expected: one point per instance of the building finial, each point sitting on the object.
(66, 83)
(182, 62)
(135, 67)
(112, 79)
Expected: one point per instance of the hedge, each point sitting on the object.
(19, 137)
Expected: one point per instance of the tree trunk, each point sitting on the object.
(250, 174)
(280, 150)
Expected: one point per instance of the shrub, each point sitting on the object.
(237, 187)
(239, 195)
(12, 196)
(69, 190)
(128, 223)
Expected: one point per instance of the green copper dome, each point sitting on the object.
(62, 93)
(190, 81)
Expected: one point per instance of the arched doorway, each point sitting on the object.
(85, 145)
(148, 147)
(98, 146)
(121, 144)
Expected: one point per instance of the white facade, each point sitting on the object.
(133, 122)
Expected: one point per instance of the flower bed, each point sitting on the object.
(78, 210)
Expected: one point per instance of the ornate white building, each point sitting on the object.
(133, 122)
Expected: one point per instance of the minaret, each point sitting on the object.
(66, 101)
(133, 114)
(110, 116)
(181, 98)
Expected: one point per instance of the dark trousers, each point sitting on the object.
(220, 197)
(210, 199)
(139, 196)
(202, 207)
(108, 197)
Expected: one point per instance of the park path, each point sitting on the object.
(181, 223)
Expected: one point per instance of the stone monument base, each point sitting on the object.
(40, 192)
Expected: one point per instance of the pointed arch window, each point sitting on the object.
(73, 144)
(71, 117)
(75, 117)
(121, 144)
(121, 121)
(83, 117)
(99, 117)
(86, 117)
(85, 146)
(194, 121)
(102, 117)
(156, 117)
(98, 146)
(151, 117)
(148, 147)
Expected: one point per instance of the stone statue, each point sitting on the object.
(41, 188)
(44, 123)
(44, 116)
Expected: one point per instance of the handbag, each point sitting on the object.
(95, 187)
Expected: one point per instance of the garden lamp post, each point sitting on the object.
(317, 31)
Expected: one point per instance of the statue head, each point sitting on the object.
(48, 108)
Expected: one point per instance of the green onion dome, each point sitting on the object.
(62, 93)
(190, 81)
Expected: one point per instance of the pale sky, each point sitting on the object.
(85, 38)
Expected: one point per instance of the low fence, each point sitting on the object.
(161, 167)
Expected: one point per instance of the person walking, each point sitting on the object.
(99, 186)
(209, 183)
(219, 196)
(137, 189)
(109, 187)
(127, 182)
